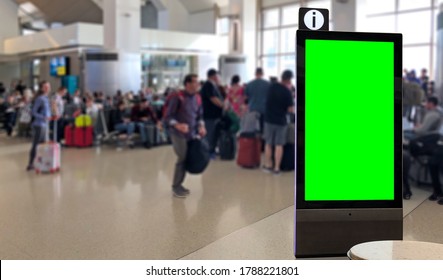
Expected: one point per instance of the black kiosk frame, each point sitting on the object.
(330, 228)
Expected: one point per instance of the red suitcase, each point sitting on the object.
(79, 136)
(84, 136)
(69, 136)
(249, 151)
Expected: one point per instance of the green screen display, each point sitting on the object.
(349, 119)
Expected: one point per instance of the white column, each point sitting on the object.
(250, 29)
(343, 15)
(172, 15)
(122, 26)
(9, 26)
(243, 33)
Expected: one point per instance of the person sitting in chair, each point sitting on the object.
(431, 123)
(142, 115)
(123, 123)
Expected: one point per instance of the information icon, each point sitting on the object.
(314, 20)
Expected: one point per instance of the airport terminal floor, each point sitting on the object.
(108, 204)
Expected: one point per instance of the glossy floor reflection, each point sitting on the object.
(118, 205)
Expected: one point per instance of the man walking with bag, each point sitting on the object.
(184, 116)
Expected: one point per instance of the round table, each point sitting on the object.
(396, 250)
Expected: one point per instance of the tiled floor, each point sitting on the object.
(118, 205)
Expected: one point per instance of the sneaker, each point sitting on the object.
(440, 201)
(30, 168)
(434, 197)
(185, 190)
(213, 156)
(266, 169)
(178, 192)
(276, 172)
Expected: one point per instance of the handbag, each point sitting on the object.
(197, 156)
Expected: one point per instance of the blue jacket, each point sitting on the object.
(41, 111)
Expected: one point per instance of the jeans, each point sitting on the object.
(127, 128)
(409, 135)
(212, 134)
(141, 128)
(38, 136)
(10, 122)
(180, 145)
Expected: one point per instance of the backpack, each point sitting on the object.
(83, 121)
(181, 97)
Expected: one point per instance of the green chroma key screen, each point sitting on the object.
(349, 120)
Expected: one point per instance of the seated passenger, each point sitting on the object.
(123, 123)
(24, 124)
(10, 114)
(142, 115)
(431, 123)
(157, 106)
(92, 109)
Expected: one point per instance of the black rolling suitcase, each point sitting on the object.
(151, 135)
(288, 159)
(226, 145)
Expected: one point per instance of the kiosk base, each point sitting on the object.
(332, 232)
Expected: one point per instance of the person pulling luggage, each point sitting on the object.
(184, 117)
(41, 113)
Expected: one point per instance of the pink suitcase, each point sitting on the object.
(48, 159)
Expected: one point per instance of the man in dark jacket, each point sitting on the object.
(184, 117)
(279, 103)
(213, 105)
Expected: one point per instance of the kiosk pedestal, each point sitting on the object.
(331, 232)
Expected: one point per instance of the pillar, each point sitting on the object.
(122, 29)
(343, 15)
(243, 33)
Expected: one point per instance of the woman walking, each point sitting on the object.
(41, 113)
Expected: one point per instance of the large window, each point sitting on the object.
(279, 25)
(416, 20)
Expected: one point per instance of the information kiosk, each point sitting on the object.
(349, 141)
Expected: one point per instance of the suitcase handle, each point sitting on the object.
(54, 132)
